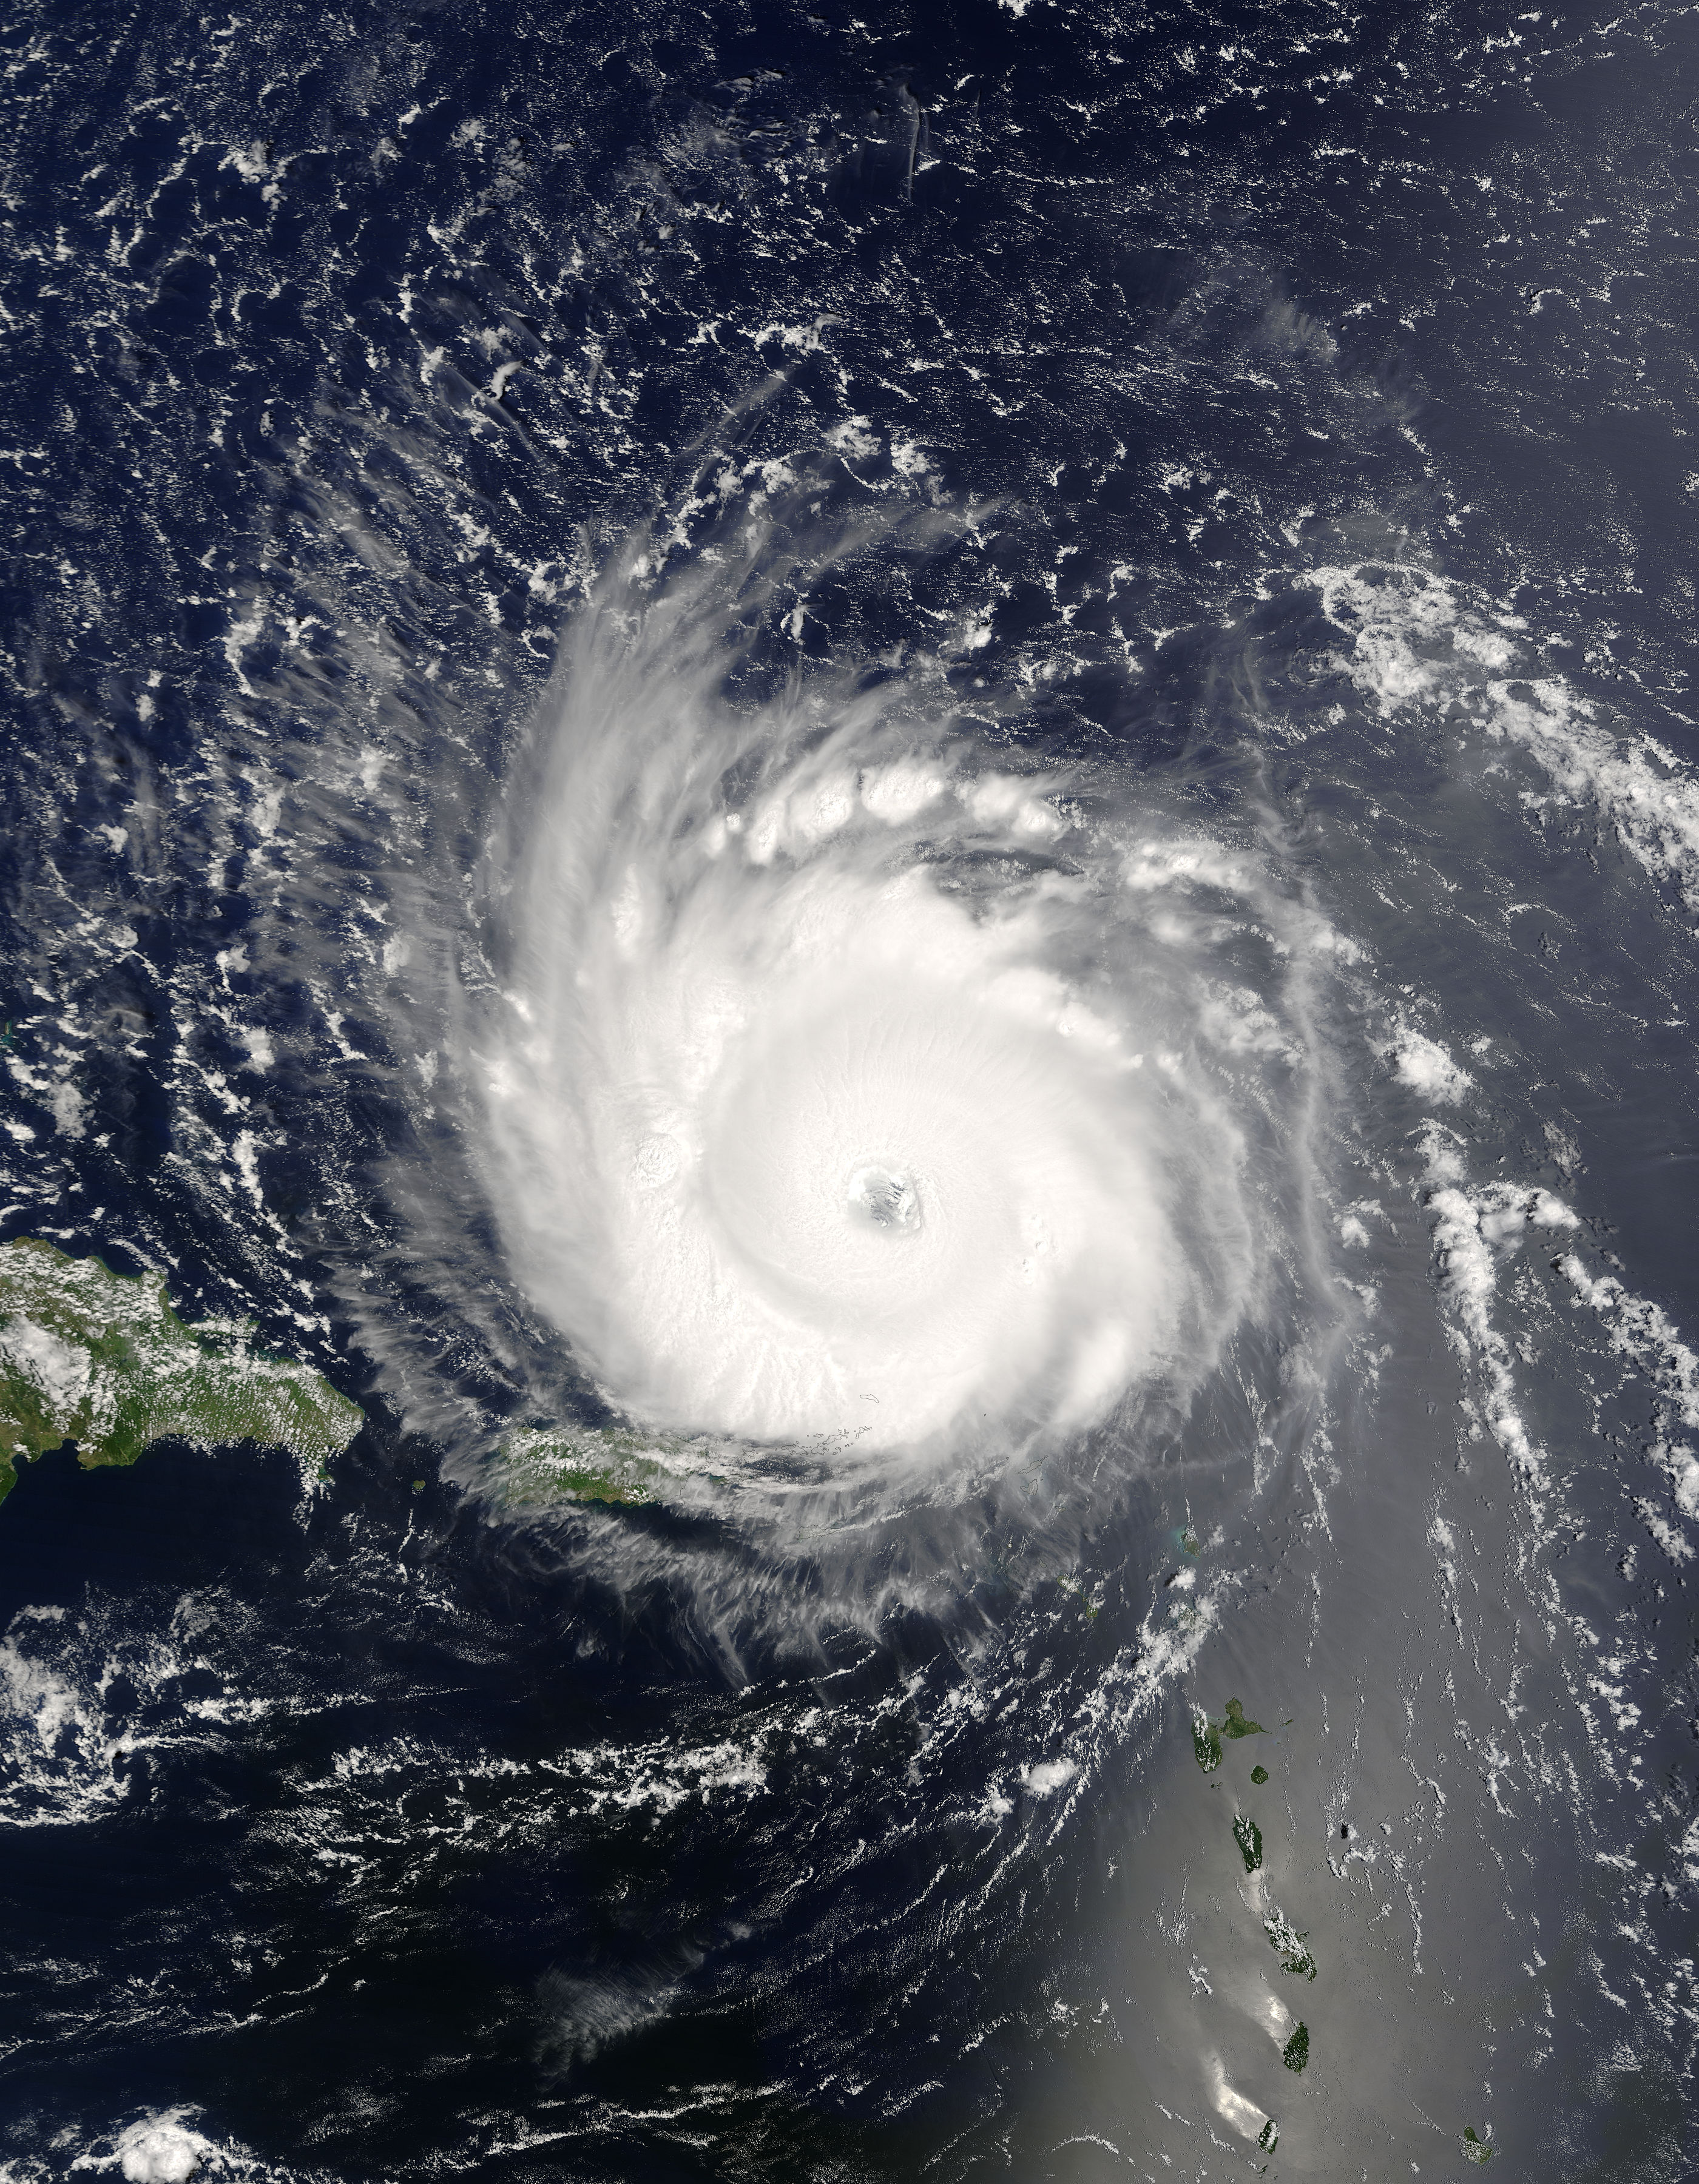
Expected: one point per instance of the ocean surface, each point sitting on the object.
(931, 780)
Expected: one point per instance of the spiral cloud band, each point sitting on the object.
(851, 1092)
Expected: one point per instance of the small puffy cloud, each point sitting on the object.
(1428, 1069)
(160, 2153)
(159, 2150)
(1049, 1775)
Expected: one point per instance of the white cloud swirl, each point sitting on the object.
(851, 1089)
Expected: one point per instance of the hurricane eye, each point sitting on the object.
(886, 1200)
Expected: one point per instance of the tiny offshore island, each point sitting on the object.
(100, 1359)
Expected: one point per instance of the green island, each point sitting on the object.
(1072, 1587)
(1293, 1946)
(100, 1359)
(1475, 2147)
(1248, 1837)
(536, 1466)
(1296, 2051)
(1206, 1735)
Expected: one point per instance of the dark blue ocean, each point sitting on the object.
(933, 775)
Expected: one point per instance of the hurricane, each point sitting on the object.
(847, 1094)
(850, 1091)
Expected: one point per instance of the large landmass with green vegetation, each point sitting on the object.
(586, 1464)
(101, 1359)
